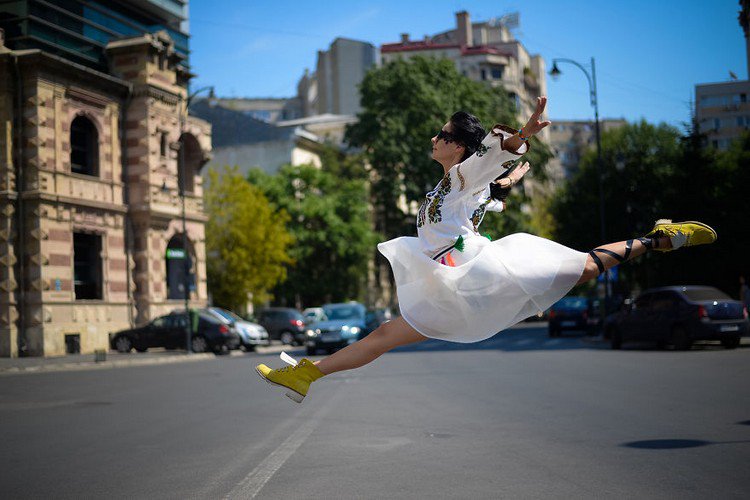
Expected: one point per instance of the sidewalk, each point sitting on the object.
(114, 359)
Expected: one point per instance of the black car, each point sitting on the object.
(679, 315)
(283, 323)
(570, 313)
(170, 331)
(346, 324)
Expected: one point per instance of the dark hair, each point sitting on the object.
(468, 131)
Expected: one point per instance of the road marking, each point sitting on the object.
(251, 485)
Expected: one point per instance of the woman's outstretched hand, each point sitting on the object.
(514, 177)
(535, 125)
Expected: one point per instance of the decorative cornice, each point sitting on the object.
(156, 93)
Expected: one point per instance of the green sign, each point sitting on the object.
(175, 253)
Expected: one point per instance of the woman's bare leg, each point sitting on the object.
(386, 337)
(591, 271)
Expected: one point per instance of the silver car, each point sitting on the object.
(251, 334)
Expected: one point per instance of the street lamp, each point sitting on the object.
(182, 178)
(591, 77)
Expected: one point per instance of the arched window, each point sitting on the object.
(190, 162)
(180, 273)
(84, 147)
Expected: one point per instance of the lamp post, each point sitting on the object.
(591, 77)
(181, 188)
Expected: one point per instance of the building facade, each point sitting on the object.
(97, 155)
(570, 139)
(486, 52)
(333, 87)
(722, 110)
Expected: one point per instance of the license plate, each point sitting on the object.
(568, 323)
(729, 328)
(329, 338)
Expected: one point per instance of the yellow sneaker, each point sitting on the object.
(296, 377)
(688, 234)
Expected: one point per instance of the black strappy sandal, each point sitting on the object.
(649, 243)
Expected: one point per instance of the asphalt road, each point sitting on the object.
(518, 416)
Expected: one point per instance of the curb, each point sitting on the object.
(104, 365)
(133, 360)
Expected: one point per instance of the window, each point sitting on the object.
(179, 266)
(740, 121)
(84, 147)
(484, 74)
(664, 301)
(190, 162)
(87, 266)
(164, 144)
(496, 72)
(717, 123)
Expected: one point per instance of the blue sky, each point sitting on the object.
(649, 54)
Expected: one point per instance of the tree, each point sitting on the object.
(638, 165)
(651, 172)
(330, 224)
(247, 243)
(405, 103)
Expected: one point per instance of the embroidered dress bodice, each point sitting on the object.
(456, 206)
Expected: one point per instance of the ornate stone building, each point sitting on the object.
(92, 157)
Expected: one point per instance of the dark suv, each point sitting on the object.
(680, 315)
(283, 323)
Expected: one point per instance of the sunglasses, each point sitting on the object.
(446, 136)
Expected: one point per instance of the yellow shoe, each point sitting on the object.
(681, 234)
(297, 377)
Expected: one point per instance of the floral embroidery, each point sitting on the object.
(482, 150)
(461, 178)
(478, 215)
(430, 209)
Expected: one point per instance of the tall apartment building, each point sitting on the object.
(722, 110)
(486, 52)
(570, 139)
(332, 88)
(95, 143)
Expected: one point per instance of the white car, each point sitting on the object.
(251, 334)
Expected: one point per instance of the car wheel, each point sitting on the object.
(731, 342)
(680, 339)
(287, 338)
(199, 344)
(615, 338)
(123, 344)
(248, 347)
(311, 351)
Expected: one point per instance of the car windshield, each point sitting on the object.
(571, 303)
(702, 294)
(227, 315)
(343, 312)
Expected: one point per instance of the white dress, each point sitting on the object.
(494, 284)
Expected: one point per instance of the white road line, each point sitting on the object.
(251, 485)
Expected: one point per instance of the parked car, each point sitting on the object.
(571, 313)
(251, 334)
(346, 323)
(170, 331)
(679, 315)
(283, 323)
(313, 315)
